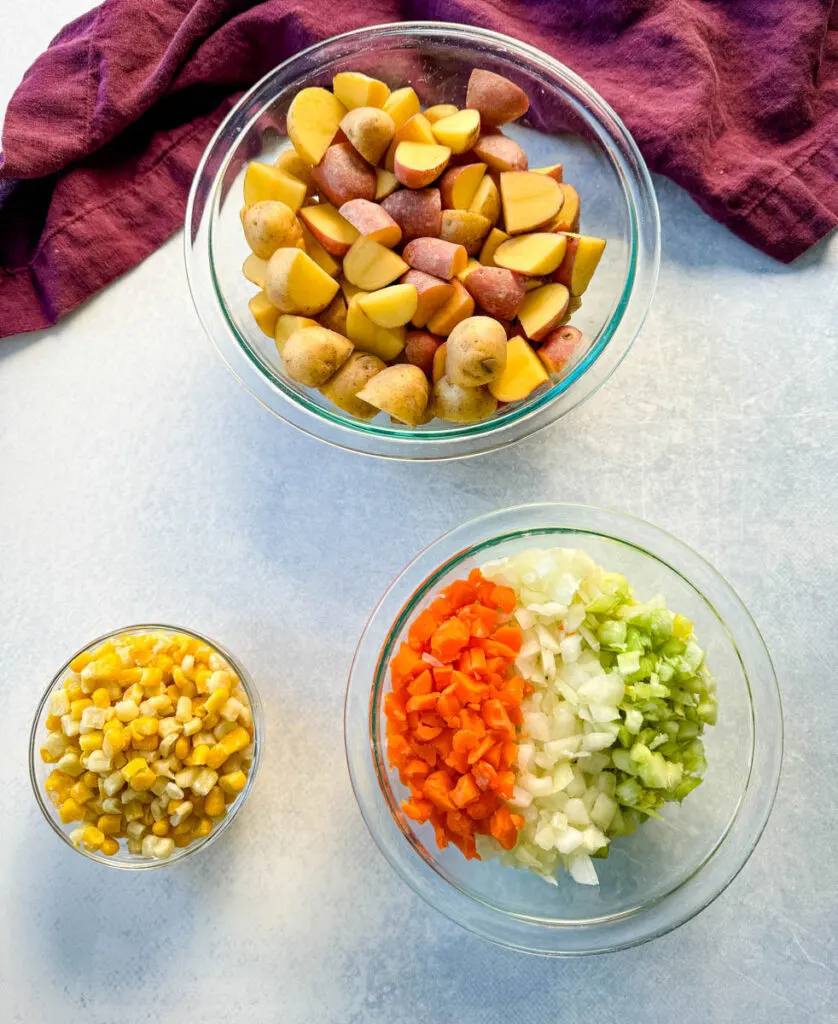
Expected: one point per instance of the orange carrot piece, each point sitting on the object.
(422, 683)
(510, 636)
(484, 774)
(442, 676)
(504, 784)
(448, 640)
(417, 809)
(484, 807)
(426, 733)
(504, 598)
(493, 755)
(458, 761)
(422, 702)
(405, 664)
(466, 791)
(422, 627)
(458, 823)
(460, 593)
(495, 717)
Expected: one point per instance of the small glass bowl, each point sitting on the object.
(567, 123)
(39, 770)
(669, 870)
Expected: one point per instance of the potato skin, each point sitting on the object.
(401, 390)
(343, 174)
(436, 257)
(498, 291)
(270, 225)
(342, 389)
(420, 348)
(476, 352)
(370, 131)
(461, 405)
(498, 100)
(313, 354)
(500, 153)
(417, 212)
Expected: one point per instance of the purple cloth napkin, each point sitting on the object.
(736, 100)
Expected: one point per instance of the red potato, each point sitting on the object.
(499, 292)
(567, 219)
(431, 292)
(581, 259)
(329, 228)
(458, 185)
(498, 100)
(558, 348)
(420, 347)
(417, 212)
(370, 131)
(343, 174)
(417, 164)
(554, 171)
(500, 153)
(436, 257)
(372, 220)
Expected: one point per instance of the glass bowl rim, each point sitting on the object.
(540, 935)
(639, 282)
(150, 863)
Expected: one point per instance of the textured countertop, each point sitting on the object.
(138, 480)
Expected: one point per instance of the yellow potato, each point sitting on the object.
(457, 404)
(370, 131)
(323, 259)
(495, 239)
(497, 99)
(486, 201)
(385, 342)
(522, 374)
(401, 105)
(370, 266)
(264, 313)
(579, 263)
(313, 121)
(342, 389)
(567, 218)
(476, 352)
(464, 228)
(543, 309)
(458, 186)
(458, 131)
(312, 355)
(270, 225)
(391, 307)
(292, 163)
(469, 269)
(264, 181)
(401, 391)
(417, 164)
(529, 200)
(354, 89)
(459, 306)
(255, 270)
(333, 316)
(438, 111)
(331, 230)
(295, 284)
(415, 129)
(535, 254)
(286, 325)
(372, 220)
(385, 183)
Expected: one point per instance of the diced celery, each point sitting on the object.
(634, 640)
(612, 633)
(660, 627)
(629, 792)
(628, 662)
(673, 648)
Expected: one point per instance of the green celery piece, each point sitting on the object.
(629, 792)
(660, 627)
(623, 761)
(634, 640)
(707, 712)
(686, 786)
(602, 605)
(628, 662)
(612, 633)
(673, 648)
(607, 659)
(653, 772)
(665, 671)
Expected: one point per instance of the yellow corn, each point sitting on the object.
(202, 829)
(101, 698)
(109, 824)
(217, 699)
(49, 758)
(53, 723)
(198, 755)
(81, 661)
(81, 792)
(92, 837)
(183, 829)
(216, 757)
(151, 677)
(128, 676)
(202, 653)
(75, 692)
(182, 748)
(77, 707)
(143, 727)
(136, 764)
(160, 828)
(91, 741)
(202, 677)
(57, 782)
(109, 847)
(70, 811)
(214, 802)
(236, 740)
(146, 743)
(70, 764)
(134, 692)
(183, 840)
(234, 782)
(144, 779)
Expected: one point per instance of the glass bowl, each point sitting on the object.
(668, 870)
(568, 123)
(38, 770)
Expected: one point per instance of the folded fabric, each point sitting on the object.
(737, 102)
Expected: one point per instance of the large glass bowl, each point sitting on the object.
(567, 123)
(669, 870)
(38, 770)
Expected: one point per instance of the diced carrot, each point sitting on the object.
(483, 807)
(475, 577)
(509, 755)
(493, 755)
(426, 733)
(422, 627)
(422, 702)
(458, 823)
(466, 846)
(476, 753)
(465, 740)
(418, 810)
(460, 593)
(482, 620)
(478, 660)
(466, 791)
(448, 640)
(510, 636)
(485, 592)
(504, 598)
(443, 744)
(442, 677)
(441, 609)
(448, 704)
(484, 775)
(405, 664)
(495, 717)
(416, 770)
(473, 721)
(468, 690)
(437, 789)
(504, 784)
(494, 648)
(503, 828)
(458, 761)
(397, 749)
(422, 683)
(394, 707)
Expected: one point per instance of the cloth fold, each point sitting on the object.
(735, 100)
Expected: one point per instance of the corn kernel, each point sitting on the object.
(101, 698)
(54, 745)
(144, 727)
(202, 677)
(80, 792)
(70, 811)
(92, 838)
(134, 692)
(109, 824)
(180, 813)
(160, 828)
(53, 723)
(110, 805)
(204, 781)
(127, 710)
(217, 663)
(182, 747)
(198, 756)
(236, 740)
(136, 764)
(218, 698)
(109, 847)
(91, 741)
(98, 762)
(77, 707)
(202, 829)
(81, 661)
(57, 781)
(143, 779)
(151, 678)
(70, 764)
(183, 712)
(234, 782)
(135, 829)
(214, 803)
(166, 726)
(216, 757)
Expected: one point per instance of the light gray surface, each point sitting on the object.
(139, 480)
